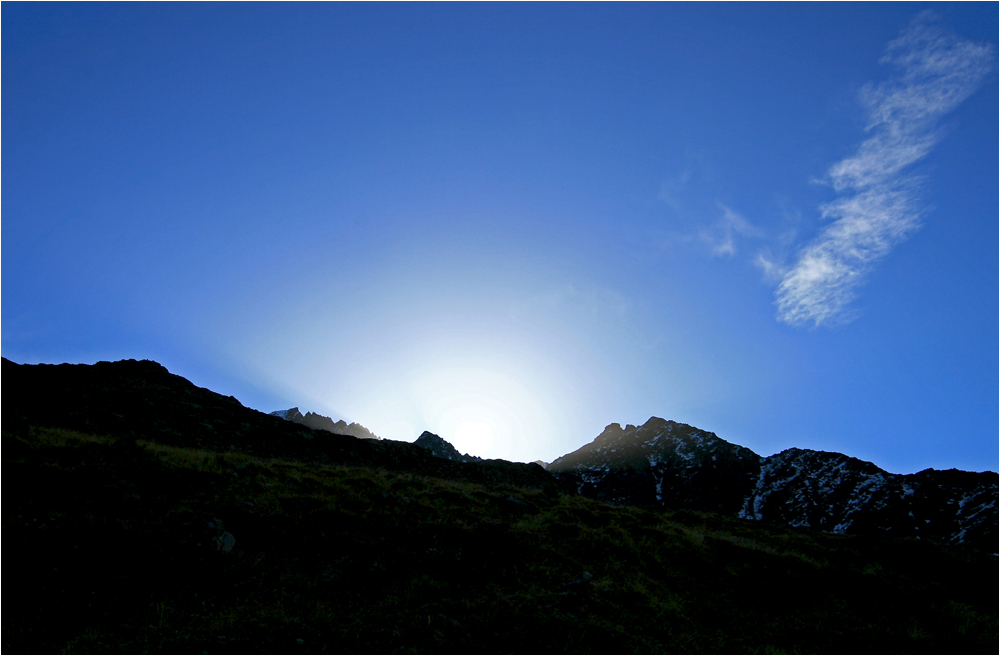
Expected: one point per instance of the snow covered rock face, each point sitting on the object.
(817, 489)
(833, 492)
(662, 463)
(292, 414)
(671, 465)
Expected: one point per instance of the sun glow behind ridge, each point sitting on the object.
(492, 394)
(480, 407)
(477, 434)
(481, 354)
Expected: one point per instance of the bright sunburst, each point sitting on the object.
(474, 436)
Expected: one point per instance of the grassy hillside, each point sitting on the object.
(113, 544)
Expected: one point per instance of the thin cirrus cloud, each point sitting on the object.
(721, 237)
(877, 204)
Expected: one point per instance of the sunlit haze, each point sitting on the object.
(514, 224)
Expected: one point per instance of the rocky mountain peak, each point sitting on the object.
(292, 414)
(662, 463)
(673, 465)
(611, 432)
(441, 448)
(320, 422)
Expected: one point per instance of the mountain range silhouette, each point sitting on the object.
(661, 464)
(158, 516)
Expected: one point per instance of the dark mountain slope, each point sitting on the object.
(834, 492)
(670, 465)
(139, 547)
(195, 525)
(141, 399)
(662, 463)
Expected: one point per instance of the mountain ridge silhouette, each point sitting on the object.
(155, 516)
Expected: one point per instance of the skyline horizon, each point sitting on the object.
(511, 224)
(622, 426)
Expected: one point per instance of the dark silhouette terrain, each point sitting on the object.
(141, 399)
(145, 514)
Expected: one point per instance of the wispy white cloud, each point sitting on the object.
(672, 187)
(768, 264)
(877, 204)
(721, 237)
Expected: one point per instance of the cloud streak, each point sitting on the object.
(721, 238)
(877, 204)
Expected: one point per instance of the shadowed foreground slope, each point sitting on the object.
(136, 545)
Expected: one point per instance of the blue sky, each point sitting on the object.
(514, 224)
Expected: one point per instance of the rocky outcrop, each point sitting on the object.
(319, 422)
(292, 414)
(837, 493)
(442, 448)
(662, 463)
(670, 465)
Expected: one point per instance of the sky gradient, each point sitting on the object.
(514, 224)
